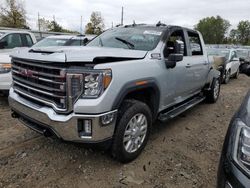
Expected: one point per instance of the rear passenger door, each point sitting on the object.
(197, 62)
(26, 40)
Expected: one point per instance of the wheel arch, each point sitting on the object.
(145, 90)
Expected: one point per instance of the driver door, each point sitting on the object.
(178, 77)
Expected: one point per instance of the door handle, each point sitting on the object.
(188, 66)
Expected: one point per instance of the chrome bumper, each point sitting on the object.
(63, 126)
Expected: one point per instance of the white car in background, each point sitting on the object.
(9, 41)
(64, 40)
(232, 64)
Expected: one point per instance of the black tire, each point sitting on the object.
(227, 77)
(128, 110)
(236, 76)
(213, 94)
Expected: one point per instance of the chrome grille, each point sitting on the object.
(42, 83)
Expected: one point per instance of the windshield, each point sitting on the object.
(145, 39)
(47, 42)
(218, 52)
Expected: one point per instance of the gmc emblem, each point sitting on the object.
(27, 73)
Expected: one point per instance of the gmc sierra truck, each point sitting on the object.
(114, 88)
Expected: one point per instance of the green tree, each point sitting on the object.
(12, 14)
(54, 26)
(43, 24)
(233, 37)
(243, 32)
(213, 29)
(96, 24)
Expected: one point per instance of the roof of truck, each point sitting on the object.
(13, 31)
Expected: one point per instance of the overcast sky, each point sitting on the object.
(180, 12)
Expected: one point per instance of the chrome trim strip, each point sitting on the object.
(37, 85)
(36, 65)
(40, 91)
(40, 100)
(36, 72)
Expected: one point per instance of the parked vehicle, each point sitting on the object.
(9, 40)
(244, 56)
(64, 40)
(232, 63)
(115, 87)
(234, 169)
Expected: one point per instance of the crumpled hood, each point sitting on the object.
(79, 54)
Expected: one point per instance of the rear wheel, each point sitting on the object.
(132, 131)
(227, 77)
(213, 94)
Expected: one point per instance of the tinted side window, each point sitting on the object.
(27, 41)
(12, 41)
(195, 43)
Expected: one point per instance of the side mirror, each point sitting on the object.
(176, 56)
(3, 44)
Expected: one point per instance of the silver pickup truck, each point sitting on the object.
(114, 88)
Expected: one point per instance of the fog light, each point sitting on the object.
(108, 118)
(85, 127)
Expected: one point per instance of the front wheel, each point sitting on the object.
(213, 94)
(132, 131)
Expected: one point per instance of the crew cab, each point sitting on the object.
(232, 62)
(9, 40)
(113, 89)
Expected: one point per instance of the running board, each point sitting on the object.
(180, 109)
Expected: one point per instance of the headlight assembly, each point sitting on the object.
(89, 84)
(5, 67)
(241, 150)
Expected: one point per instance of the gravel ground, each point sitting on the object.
(183, 152)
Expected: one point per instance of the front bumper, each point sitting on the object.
(63, 126)
(5, 81)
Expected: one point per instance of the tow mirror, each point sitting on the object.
(3, 44)
(176, 56)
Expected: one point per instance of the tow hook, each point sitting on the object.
(46, 133)
(14, 115)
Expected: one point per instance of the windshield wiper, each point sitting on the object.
(129, 44)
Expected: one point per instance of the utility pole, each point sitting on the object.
(112, 25)
(122, 17)
(54, 18)
(39, 25)
(81, 26)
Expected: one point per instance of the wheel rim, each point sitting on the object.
(216, 89)
(135, 133)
